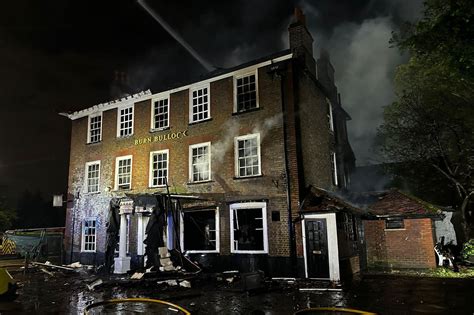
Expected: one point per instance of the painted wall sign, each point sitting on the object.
(161, 138)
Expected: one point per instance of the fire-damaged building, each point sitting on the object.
(217, 169)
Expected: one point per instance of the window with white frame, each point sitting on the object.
(200, 162)
(125, 121)
(160, 113)
(246, 92)
(330, 116)
(249, 228)
(158, 168)
(123, 172)
(247, 155)
(89, 232)
(199, 104)
(200, 231)
(95, 128)
(334, 168)
(92, 176)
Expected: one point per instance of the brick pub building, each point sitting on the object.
(238, 147)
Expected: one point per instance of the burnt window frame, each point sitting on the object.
(217, 231)
(249, 205)
(241, 76)
(395, 220)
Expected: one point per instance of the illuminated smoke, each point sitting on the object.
(219, 149)
(176, 36)
(267, 125)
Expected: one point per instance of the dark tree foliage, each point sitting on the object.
(7, 215)
(34, 211)
(430, 126)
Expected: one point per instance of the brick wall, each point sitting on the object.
(411, 247)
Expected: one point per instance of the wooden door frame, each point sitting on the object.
(333, 251)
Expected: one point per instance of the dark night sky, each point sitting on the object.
(60, 55)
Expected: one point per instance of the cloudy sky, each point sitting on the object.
(61, 54)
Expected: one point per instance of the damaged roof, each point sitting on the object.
(397, 203)
(321, 200)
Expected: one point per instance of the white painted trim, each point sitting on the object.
(150, 175)
(152, 120)
(236, 154)
(145, 95)
(89, 126)
(333, 157)
(333, 249)
(190, 162)
(242, 74)
(249, 205)
(218, 232)
(83, 235)
(331, 117)
(117, 159)
(132, 106)
(190, 100)
(86, 177)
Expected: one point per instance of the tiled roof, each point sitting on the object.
(321, 200)
(398, 203)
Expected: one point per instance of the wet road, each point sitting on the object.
(67, 294)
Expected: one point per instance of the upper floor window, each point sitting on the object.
(334, 169)
(95, 128)
(199, 109)
(247, 155)
(89, 232)
(123, 172)
(246, 92)
(92, 176)
(200, 162)
(160, 114)
(125, 121)
(158, 168)
(330, 116)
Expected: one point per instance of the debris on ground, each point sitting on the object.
(75, 265)
(94, 284)
(47, 272)
(50, 265)
(137, 275)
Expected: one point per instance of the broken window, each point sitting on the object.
(123, 172)
(89, 235)
(246, 93)
(92, 176)
(249, 227)
(160, 114)
(200, 231)
(159, 168)
(200, 162)
(125, 123)
(247, 155)
(95, 128)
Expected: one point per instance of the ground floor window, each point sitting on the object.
(200, 231)
(89, 235)
(249, 228)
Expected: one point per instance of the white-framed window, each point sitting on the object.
(92, 176)
(94, 133)
(330, 116)
(125, 121)
(246, 92)
(123, 172)
(200, 231)
(89, 232)
(200, 162)
(334, 168)
(248, 228)
(159, 168)
(160, 113)
(247, 155)
(199, 104)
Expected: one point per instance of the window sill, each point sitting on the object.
(89, 251)
(121, 190)
(395, 229)
(125, 137)
(202, 182)
(201, 251)
(94, 143)
(199, 121)
(247, 177)
(248, 252)
(154, 187)
(159, 129)
(246, 111)
(91, 193)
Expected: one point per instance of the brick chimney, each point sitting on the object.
(301, 41)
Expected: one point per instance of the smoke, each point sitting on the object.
(220, 148)
(264, 127)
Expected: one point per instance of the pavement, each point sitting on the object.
(67, 293)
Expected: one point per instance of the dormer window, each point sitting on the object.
(245, 93)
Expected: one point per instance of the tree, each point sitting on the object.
(432, 121)
(7, 215)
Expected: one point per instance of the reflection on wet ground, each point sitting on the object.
(68, 294)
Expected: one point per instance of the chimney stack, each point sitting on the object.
(301, 41)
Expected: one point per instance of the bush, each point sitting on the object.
(468, 249)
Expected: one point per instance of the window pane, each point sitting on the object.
(200, 105)
(246, 93)
(200, 230)
(248, 229)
